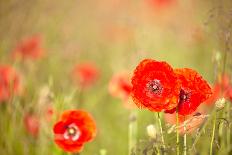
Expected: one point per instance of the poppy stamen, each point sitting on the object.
(72, 132)
(155, 87)
(184, 96)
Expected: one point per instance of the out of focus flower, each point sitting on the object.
(191, 124)
(213, 98)
(29, 48)
(229, 93)
(120, 86)
(74, 128)
(155, 86)
(194, 90)
(85, 74)
(161, 4)
(32, 124)
(151, 131)
(187, 124)
(220, 103)
(10, 83)
(221, 89)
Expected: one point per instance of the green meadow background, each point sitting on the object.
(114, 34)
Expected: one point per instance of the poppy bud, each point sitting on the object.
(220, 103)
(151, 131)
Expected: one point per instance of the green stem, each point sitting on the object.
(228, 131)
(161, 130)
(132, 131)
(185, 139)
(177, 134)
(213, 134)
(158, 151)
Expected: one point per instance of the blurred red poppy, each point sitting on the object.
(120, 85)
(155, 86)
(85, 74)
(9, 82)
(229, 93)
(74, 128)
(194, 90)
(221, 89)
(29, 48)
(32, 124)
(215, 95)
(160, 4)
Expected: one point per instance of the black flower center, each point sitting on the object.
(155, 87)
(184, 96)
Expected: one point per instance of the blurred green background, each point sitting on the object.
(114, 34)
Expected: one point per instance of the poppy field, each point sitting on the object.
(115, 77)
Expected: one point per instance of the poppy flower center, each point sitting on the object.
(72, 132)
(184, 96)
(155, 87)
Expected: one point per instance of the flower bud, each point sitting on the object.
(151, 131)
(220, 103)
(103, 151)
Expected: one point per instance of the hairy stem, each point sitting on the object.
(185, 139)
(228, 130)
(132, 133)
(161, 130)
(213, 134)
(177, 134)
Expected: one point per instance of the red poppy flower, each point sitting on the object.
(155, 86)
(9, 83)
(30, 48)
(32, 124)
(85, 74)
(75, 128)
(194, 90)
